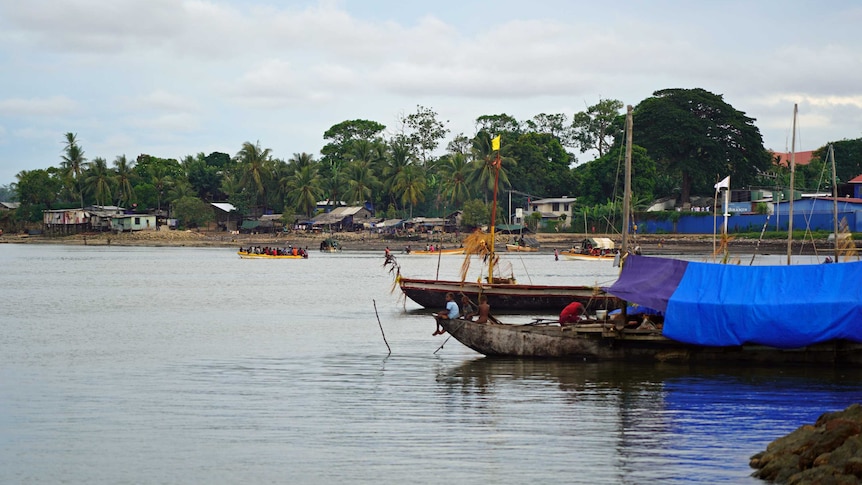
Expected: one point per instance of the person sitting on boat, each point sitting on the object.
(450, 313)
(572, 313)
(484, 310)
(467, 309)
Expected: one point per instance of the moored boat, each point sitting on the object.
(435, 251)
(267, 253)
(521, 249)
(507, 296)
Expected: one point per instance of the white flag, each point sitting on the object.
(724, 184)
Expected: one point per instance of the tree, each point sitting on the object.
(343, 135)
(556, 125)
(697, 136)
(98, 180)
(303, 189)
(475, 214)
(501, 124)
(599, 126)
(38, 188)
(454, 170)
(191, 212)
(73, 163)
(410, 183)
(543, 165)
(361, 181)
(848, 158)
(256, 169)
(124, 178)
(424, 132)
(483, 173)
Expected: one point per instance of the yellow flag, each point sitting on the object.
(495, 143)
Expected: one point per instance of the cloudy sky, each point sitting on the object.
(172, 78)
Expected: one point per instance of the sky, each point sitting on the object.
(172, 78)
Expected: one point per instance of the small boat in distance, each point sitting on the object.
(592, 249)
(436, 251)
(257, 252)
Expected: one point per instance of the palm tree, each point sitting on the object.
(160, 180)
(361, 181)
(410, 183)
(98, 180)
(256, 169)
(73, 163)
(304, 189)
(334, 181)
(300, 160)
(454, 170)
(124, 178)
(398, 158)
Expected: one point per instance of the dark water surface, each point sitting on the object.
(188, 365)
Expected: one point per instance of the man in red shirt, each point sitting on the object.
(572, 313)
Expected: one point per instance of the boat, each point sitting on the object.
(271, 253)
(698, 312)
(507, 296)
(523, 245)
(444, 251)
(592, 249)
(330, 245)
(503, 292)
(517, 248)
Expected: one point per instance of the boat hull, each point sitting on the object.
(245, 255)
(587, 257)
(506, 297)
(603, 342)
(444, 252)
(521, 249)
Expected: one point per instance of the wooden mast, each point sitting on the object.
(627, 182)
(792, 183)
(495, 143)
(831, 157)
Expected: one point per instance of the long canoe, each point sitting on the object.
(246, 255)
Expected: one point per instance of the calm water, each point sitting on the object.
(181, 365)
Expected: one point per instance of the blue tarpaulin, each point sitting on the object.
(723, 305)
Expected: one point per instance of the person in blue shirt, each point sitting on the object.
(450, 313)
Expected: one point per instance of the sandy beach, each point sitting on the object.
(656, 244)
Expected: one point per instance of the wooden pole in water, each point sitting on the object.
(381, 327)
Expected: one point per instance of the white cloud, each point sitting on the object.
(39, 107)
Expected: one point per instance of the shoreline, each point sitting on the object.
(651, 244)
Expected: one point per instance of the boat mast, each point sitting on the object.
(831, 156)
(627, 183)
(792, 183)
(495, 144)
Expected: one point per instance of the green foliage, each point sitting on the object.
(191, 212)
(599, 126)
(534, 221)
(344, 135)
(697, 136)
(475, 214)
(424, 131)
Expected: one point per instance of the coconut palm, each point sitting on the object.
(410, 183)
(124, 177)
(399, 156)
(256, 167)
(454, 170)
(361, 181)
(73, 163)
(334, 181)
(304, 189)
(98, 180)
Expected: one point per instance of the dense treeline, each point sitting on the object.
(685, 140)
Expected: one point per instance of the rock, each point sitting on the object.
(828, 452)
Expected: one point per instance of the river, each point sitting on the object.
(190, 365)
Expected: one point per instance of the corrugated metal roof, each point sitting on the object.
(225, 206)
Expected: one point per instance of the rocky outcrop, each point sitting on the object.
(828, 452)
